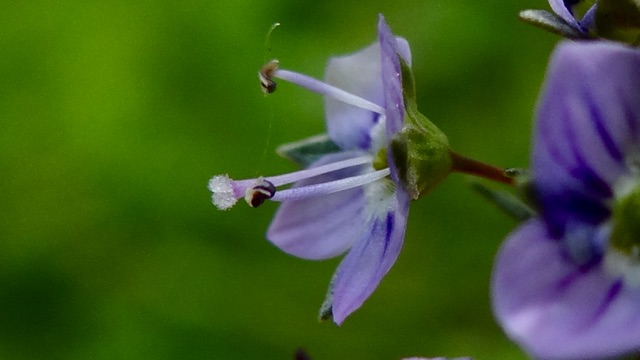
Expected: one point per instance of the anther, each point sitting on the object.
(256, 195)
(265, 74)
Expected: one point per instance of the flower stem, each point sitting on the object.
(469, 166)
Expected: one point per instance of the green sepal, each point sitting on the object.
(619, 20)
(551, 22)
(306, 151)
(420, 151)
(326, 309)
(505, 201)
(522, 205)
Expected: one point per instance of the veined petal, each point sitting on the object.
(588, 122)
(391, 78)
(325, 226)
(348, 126)
(391, 85)
(588, 21)
(376, 250)
(556, 310)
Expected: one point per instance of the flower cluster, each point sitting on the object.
(566, 283)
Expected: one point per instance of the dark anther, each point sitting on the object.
(265, 74)
(258, 194)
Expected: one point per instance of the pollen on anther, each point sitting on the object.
(223, 197)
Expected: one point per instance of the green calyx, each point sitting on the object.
(619, 20)
(625, 233)
(420, 151)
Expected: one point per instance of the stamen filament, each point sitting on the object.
(327, 90)
(304, 192)
(284, 179)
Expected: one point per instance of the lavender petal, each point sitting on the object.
(321, 227)
(588, 123)
(372, 256)
(559, 7)
(391, 78)
(348, 126)
(358, 73)
(556, 310)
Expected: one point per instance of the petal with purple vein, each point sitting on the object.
(553, 308)
(372, 256)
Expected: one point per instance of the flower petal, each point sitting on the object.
(588, 124)
(391, 84)
(376, 251)
(559, 7)
(360, 74)
(391, 78)
(556, 310)
(325, 226)
(588, 21)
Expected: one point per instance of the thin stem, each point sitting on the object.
(469, 166)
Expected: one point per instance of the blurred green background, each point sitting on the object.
(114, 115)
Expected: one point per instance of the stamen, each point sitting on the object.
(304, 192)
(265, 74)
(226, 191)
(324, 89)
(308, 173)
(259, 193)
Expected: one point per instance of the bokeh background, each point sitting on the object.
(114, 115)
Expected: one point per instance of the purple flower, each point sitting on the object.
(567, 284)
(349, 199)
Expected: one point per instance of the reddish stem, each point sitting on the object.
(469, 166)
